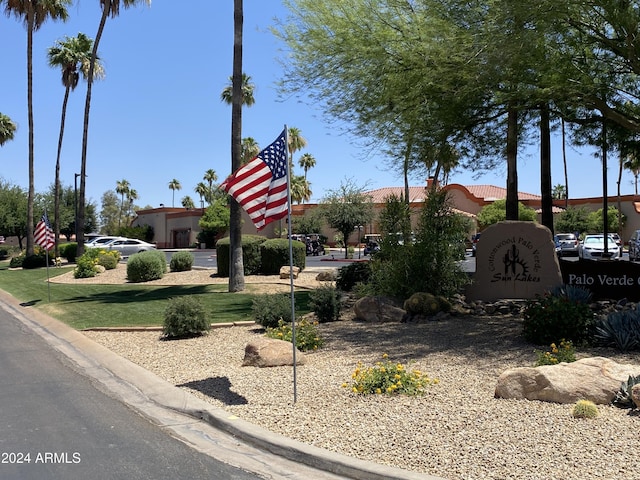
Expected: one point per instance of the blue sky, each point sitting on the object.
(158, 116)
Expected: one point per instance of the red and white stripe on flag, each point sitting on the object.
(43, 234)
(260, 186)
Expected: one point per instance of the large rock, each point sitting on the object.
(285, 272)
(377, 309)
(270, 352)
(514, 260)
(327, 276)
(596, 379)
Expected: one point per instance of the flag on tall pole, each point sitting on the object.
(43, 234)
(260, 186)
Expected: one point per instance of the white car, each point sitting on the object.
(100, 241)
(592, 248)
(127, 246)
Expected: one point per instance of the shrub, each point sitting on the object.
(350, 275)
(146, 266)
(585, 409)
(623, 398)
(423, 303)
(181, 262)
(307, 335)
(85, 266)
(619, 329)
(274, 254)
(250, 254)
(557, 354)
(4, 253)
(37, 260)
(68, 251)
(109, 260)
(184, 317)
(389, 378)
(325, 303)
(269, 309)
(562, 313)
(16, 262)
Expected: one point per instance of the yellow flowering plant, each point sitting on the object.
(307, 335)
(564, 352)
(387, 377)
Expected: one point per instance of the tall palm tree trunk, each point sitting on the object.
(236, 266)
(56, 200)
(564, 161)
(512, 161)
(31, 194)
(545, 168)
(85, 129)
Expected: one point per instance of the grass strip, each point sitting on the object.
(127, 305)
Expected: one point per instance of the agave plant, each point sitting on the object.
(573, 293)
(619, 329)
(623, 398)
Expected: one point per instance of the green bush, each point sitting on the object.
(109, 260)
(250, 254)
(146, 266)
(557, 354)
(560, 314)
(307, 336)
(325, 303)
(423, 303)
(16, 262)
(68, 251)
(181, 262)
(269, 309)
(4, 253)
(37, 260)
(619, 329)
(274, 254)
(86, 265)
(352, 274)
(184, 317)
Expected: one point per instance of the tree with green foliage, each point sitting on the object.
(572, 220)
(496, 212)
(110, 213)
(214, 222)
(346, 208)
(395, 218)
(311, 222)
(173, 186)
(596, 221)
(7, 129)
(187, 202)
(13, 211)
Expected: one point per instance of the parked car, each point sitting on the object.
(617, 238)
(592, 248)
(127, 246)
(474, 240)
(634, 246)
(99, 241)
(566, 244)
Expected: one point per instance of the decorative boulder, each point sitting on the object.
(270, 352)
(327, 276)
(285, 272)
(596, 379)
(378, 309)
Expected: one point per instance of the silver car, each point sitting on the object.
(128, 246)
(592, 248)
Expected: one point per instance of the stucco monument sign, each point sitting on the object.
(514, 260)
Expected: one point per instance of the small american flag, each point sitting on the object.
(260, 186)
(43, 234)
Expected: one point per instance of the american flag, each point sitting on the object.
(260, 186)
(43, 234)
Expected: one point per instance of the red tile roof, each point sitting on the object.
(417, 194)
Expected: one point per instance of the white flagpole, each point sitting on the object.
(293, 298)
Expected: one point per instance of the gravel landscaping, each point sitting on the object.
(458, 430)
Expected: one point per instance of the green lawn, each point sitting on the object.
(88, 306)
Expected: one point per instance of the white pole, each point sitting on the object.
(293, 300)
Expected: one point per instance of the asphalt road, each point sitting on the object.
(56, 425)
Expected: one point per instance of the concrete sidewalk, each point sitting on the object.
(196, 422)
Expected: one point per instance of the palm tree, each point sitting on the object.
(306, 162)
(250, 149)
(210, 176)
(247, 91)
(7, 129)
(559, 192)
(109, 8)
(236, 266)
(69, 55)
(173, 186)
(203, 191)
(295, 142)
(632, 163)
(187, 202)
(300, 189)
(123, 187)
(132, 196)
(34, 13)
